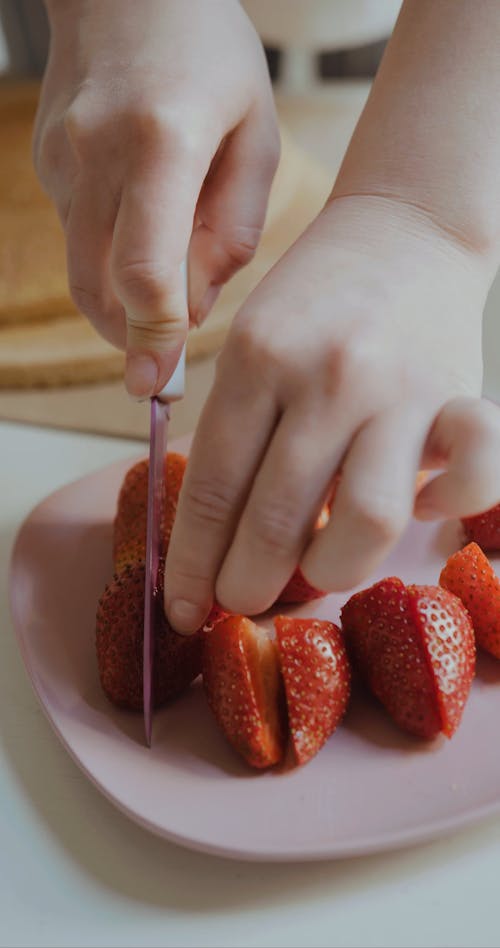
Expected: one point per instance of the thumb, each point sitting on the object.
(150, 240)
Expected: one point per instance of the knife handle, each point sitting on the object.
(174, 389)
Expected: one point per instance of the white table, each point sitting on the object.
(75, 872)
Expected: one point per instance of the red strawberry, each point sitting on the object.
(119, 645)
(317, 679)
(298, 589)
(244, 689)
(415, 648)
(469, 574)
(129, 538)
(484, 528)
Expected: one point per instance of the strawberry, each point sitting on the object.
(244, 689)
(298, 589)
(414, 646)
(469, 574)
(484, 528)
(119, 644)
(129, 537)
(317, 679)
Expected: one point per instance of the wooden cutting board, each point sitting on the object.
(43, 339)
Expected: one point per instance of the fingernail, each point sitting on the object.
(206, 304)
(185, 617)
(141, 375)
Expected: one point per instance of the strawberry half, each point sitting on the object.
(129, 536)
(484, 528)
(414, 646)
(469, 575)
(317, 680)
(243, 685)
(119, 645)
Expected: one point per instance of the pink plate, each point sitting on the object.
(369, 789)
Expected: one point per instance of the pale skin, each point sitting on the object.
(360, 349)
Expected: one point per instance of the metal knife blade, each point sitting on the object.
(160, 414)
(153, 599)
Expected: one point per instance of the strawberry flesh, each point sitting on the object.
(316, 674)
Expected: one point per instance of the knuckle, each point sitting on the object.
(242, 245)
(209, 501)
(87, 301)
(272, 151)
(163, 128)
(144, 283)
(252, 346)
(378, 516)
(47, 152)
(274, 527)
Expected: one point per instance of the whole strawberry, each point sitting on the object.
(129, 534)
(484, 528)
(414, 646)
(119, 645)
(469, 575)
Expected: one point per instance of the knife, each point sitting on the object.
(158, 438)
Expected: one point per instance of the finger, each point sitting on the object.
(89, 229)
(373, 501)
(150, 241)
(282, 508)
(232, 434)
(466, 436)
(231, 211)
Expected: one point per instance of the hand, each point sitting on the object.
(156, 131)
(360, 350)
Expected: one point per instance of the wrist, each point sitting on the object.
(387, 223)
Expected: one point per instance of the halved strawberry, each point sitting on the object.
(469, 574)
(129, 535)
(484, 528)
(119, 645)
(243, 685)
(415, 648)
(317, 680)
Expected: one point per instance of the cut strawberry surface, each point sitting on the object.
(129, 535)
(317, 679)
(415, 650)
(119, 645)
(243, 685)
(469, 575)
(484, 528)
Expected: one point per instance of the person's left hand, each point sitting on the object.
(361, 349)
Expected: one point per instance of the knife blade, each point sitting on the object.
(158, 442)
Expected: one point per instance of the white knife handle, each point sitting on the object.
(174, 389)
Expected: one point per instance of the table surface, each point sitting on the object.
(76, 872)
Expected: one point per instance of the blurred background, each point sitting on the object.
(322, 57)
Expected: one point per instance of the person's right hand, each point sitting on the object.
(156, 132)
